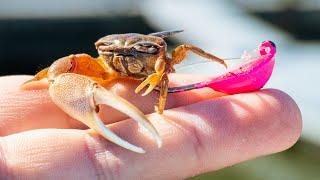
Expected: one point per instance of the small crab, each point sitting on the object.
(76, 81)
(144, 57)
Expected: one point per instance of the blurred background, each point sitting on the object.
(33, 33)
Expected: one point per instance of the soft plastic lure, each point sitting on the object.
(250, 76)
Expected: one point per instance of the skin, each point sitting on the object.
(200, 133)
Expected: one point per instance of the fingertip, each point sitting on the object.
(290, 117)
(270, 117)
(239, 127)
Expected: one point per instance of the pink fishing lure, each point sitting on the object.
(250, 76)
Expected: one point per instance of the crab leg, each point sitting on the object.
(80, 97)
(154, 79)
(40, 75)
(164, 84)
(180, 53)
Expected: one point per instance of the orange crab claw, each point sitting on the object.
(80, 96)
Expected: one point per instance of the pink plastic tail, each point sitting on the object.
(249, 77)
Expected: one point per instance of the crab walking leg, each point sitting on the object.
(164, 84)
(40, 75)
(180, 53)
(80, 96)
(154, 79)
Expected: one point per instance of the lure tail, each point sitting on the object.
(248, 77)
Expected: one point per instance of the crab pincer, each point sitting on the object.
(80, 98)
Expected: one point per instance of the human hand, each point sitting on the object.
(200, 133)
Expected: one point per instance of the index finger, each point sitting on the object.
(197, 138)
(24, 110)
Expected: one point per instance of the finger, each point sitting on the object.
(197, 138)
(24, 110)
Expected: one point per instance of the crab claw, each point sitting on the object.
(80, 97)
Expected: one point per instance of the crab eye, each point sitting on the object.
(146, 48)
(107, 43)
(152, 50)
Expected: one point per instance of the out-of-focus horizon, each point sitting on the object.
(33, 33)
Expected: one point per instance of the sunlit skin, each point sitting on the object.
(200, 133)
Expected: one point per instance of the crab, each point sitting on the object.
(76, 82)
